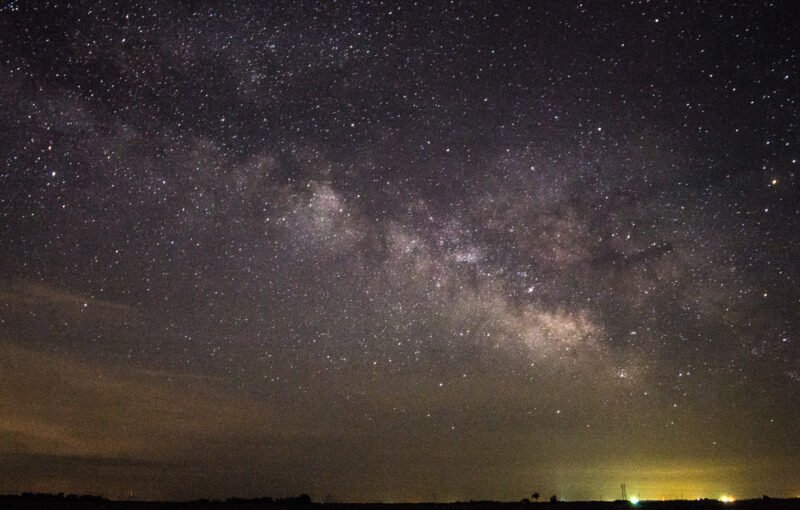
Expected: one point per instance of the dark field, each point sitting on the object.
(64, 503)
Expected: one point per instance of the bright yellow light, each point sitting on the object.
(727, 499)
(634, 501)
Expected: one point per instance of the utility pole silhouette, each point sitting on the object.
(624, 494)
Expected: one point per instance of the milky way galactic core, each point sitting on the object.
(396, 251)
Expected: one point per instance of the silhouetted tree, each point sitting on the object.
(553, 499)
(535, 496)
(303, 499)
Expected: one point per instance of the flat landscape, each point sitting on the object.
(20, 503)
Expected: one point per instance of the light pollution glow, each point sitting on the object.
(398, 251)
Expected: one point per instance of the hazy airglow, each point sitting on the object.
(448, 253)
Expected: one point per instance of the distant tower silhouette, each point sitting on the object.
(624, 494)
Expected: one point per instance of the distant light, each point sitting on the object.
(727, 499)
(634, 501)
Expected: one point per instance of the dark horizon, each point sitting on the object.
(400, 251)
(304, 500)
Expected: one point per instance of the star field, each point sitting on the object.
(400, 251)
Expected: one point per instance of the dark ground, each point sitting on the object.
(63, 503)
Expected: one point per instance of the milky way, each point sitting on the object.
(387, 251)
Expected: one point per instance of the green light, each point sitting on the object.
(634, 501)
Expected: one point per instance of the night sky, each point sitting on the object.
(395, 251)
